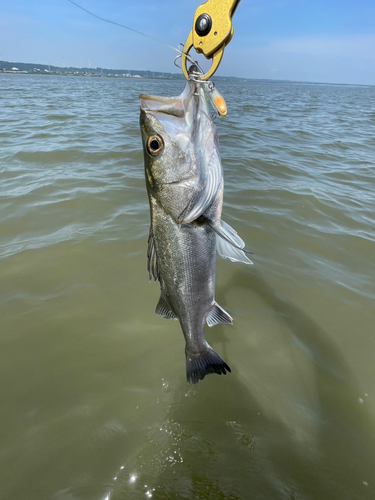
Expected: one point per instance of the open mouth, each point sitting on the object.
(174, 114)
(174, 106)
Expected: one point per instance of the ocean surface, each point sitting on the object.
(94, 403)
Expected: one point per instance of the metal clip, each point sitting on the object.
(212, 31)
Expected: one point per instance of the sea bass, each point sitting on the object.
(184, 181)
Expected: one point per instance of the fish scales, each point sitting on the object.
(184, 182)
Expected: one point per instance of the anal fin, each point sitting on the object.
(218, 315)
(164, 309)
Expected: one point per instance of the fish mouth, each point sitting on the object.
(175, 115)
(173, 106)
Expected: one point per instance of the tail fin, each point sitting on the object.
(200, 365)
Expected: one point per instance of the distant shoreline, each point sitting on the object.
(48, 69)
(57, 73)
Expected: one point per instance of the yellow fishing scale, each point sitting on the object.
(212, 31)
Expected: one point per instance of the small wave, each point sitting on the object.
(60, 117)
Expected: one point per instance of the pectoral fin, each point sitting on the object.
(229, 245)
(203, 198)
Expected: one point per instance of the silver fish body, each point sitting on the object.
(185, 187)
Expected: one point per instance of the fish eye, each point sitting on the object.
(154, 145)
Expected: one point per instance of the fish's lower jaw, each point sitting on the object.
(198, 365)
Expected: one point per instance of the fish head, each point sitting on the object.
(181, 153)
(166, 136)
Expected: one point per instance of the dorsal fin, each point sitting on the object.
(152, 263)
(164, 309)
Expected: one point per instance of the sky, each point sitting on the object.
(302, 40)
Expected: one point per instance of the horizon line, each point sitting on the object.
(180, 76)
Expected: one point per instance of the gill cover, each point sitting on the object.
(187, 174)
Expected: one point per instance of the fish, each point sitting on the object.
(184, 180)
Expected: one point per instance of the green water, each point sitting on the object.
(94, 402)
